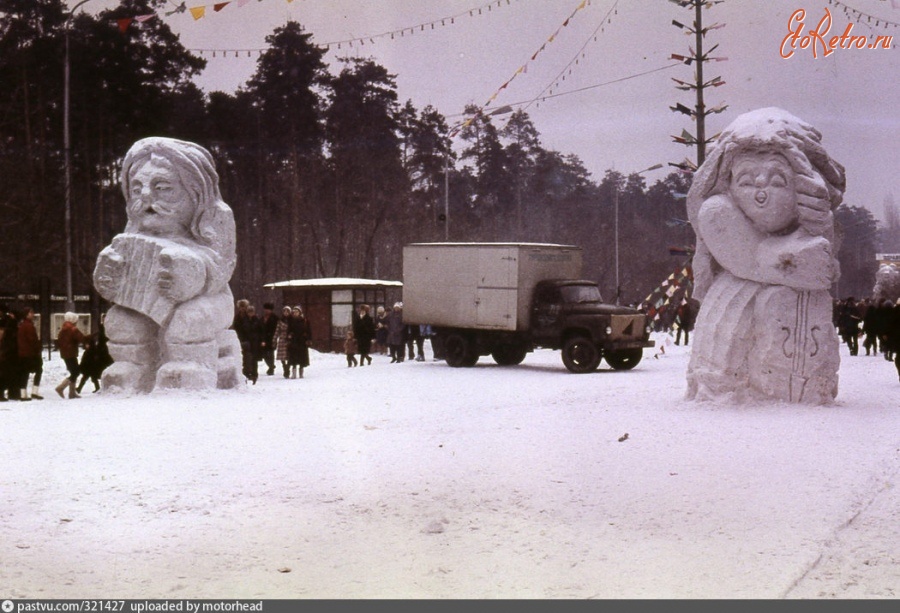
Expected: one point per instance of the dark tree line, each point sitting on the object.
(327, 171)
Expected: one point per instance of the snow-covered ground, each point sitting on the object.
(417, 480)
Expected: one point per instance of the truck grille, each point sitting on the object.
(627, 326)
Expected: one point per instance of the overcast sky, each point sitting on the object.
(609, 68)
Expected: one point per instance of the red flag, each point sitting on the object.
(218, 7)
(124, 23)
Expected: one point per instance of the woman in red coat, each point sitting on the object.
(29, 356)
(67, 341)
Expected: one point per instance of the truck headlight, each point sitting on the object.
(608, 330)
(648, 329)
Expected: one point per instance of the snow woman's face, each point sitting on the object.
(762, 185)
(159, 202)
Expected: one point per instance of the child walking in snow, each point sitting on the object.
(350, 349)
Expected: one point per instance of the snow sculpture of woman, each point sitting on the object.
(761, 206)
(167, 274)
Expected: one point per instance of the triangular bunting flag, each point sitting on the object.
(124, 23)
(198, 12)
(218, 7)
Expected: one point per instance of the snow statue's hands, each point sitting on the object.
(109, 273)
(800, 262)
(814, 206)
(182, 274)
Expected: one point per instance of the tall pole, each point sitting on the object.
(67, 150)
(699, 57)
(447, 195)
(617, 241)
(701, 108)
(67, 146)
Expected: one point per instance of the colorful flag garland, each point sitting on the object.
(662, 303)
(567, 69)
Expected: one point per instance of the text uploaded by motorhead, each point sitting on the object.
(131, 606)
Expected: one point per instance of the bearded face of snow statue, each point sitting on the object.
(167, 274)
(761, 206)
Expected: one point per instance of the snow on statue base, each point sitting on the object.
(167, 275)
(761, 205)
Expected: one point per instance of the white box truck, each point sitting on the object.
(506, 299)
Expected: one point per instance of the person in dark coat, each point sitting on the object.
(396, 330)
(891, 331)
(300, 338)
(91, 366)
(870, 328)
(10, 370)
(848, 325)
(95, 359)
(30, 361)
(413, 340)
(381, 331)
(883, 312)
(364, 331)
(249, 330)
(685, 318)
(269, 322)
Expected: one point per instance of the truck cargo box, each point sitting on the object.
(484, 286)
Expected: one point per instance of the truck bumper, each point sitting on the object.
(633, 345)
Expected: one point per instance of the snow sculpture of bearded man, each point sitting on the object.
(761, 206)
(167, 274)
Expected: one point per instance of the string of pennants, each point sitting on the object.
(858, 15)
(200, 11)
(524, 67)
(662, 303)
(579, 55)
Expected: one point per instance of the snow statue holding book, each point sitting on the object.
(761, 206)
(167, 274)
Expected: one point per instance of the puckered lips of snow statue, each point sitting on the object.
(167, 274)
(761, 206)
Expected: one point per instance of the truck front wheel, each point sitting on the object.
(624, 359)
(580, 355)
(458, 351)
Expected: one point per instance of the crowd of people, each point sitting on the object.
(21, 363)
(877, 322)
(286, 338)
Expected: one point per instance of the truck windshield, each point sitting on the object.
(580, 293)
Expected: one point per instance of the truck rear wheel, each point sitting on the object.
(580, 355)
(458, 351)
(624, 359)
(509, 354)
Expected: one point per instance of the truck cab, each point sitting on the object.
(570, 314)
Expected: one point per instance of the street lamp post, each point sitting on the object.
(67, 150)
(447, 195)
(618, 288)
